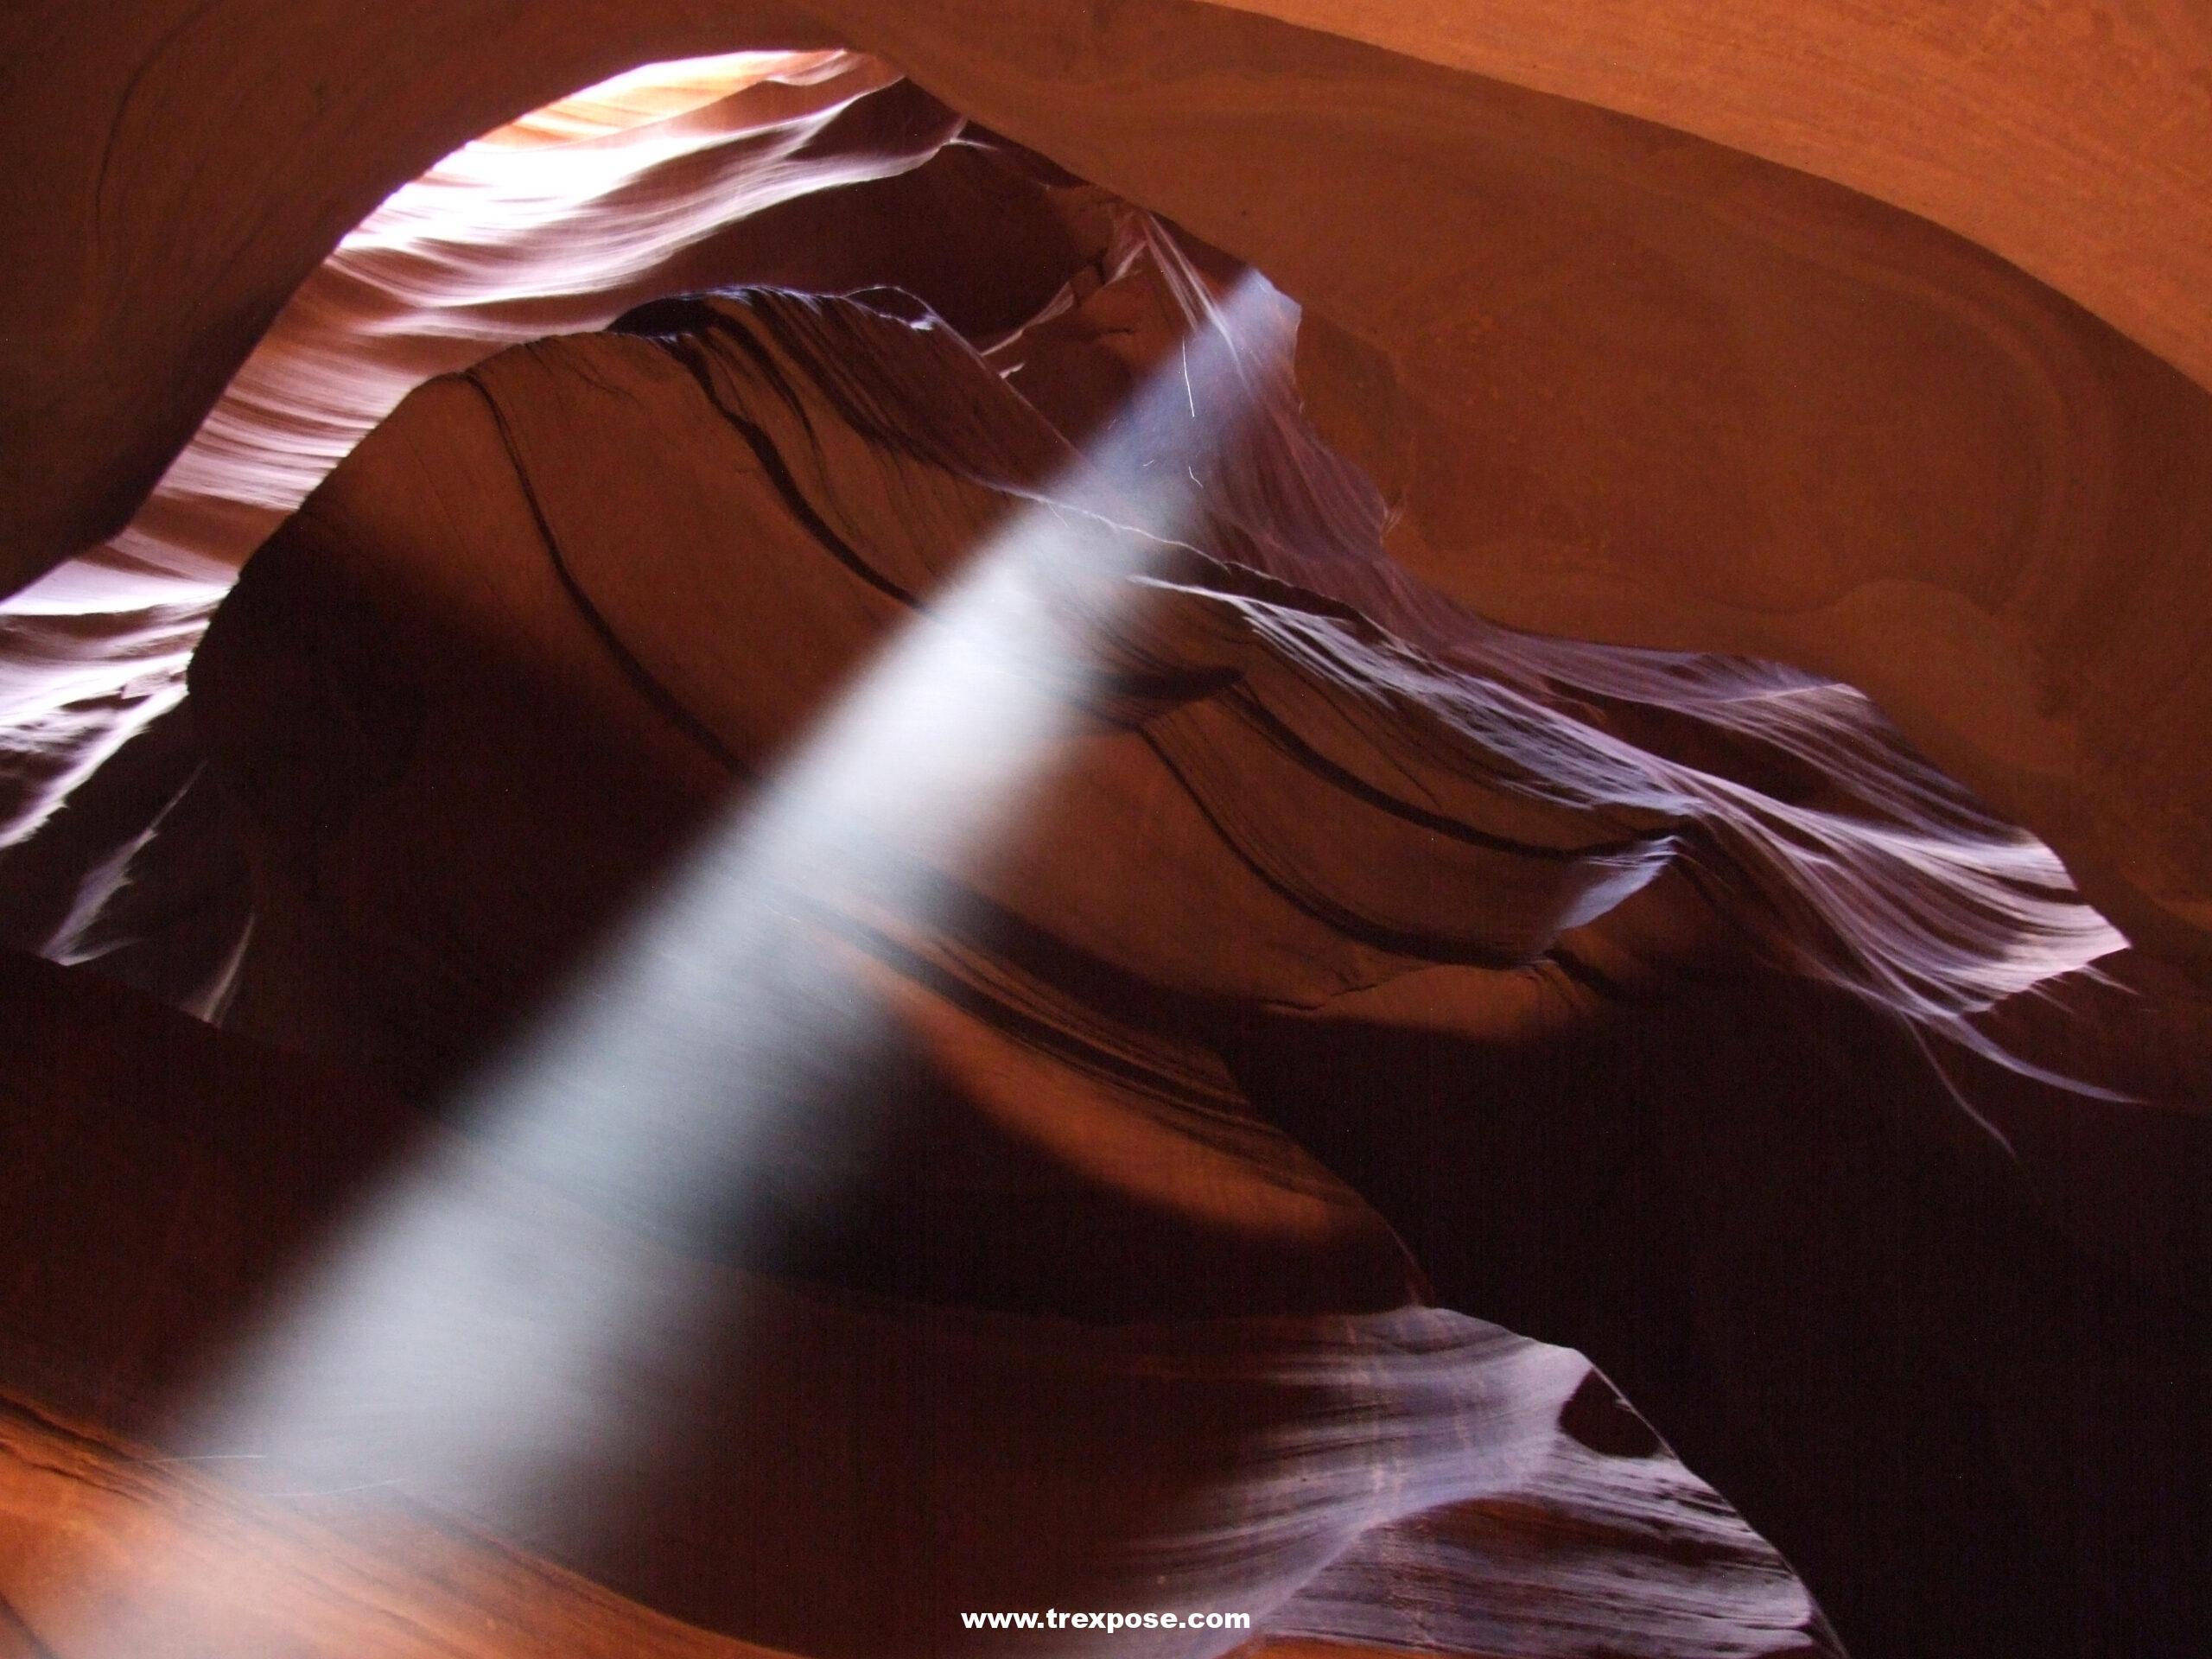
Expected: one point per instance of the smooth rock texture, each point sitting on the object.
(933, 879)
(1636, 385)
(1284, 1467)
(760, 166)
(681, 541)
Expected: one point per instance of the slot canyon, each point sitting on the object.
(849, 830)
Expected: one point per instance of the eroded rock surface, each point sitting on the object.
(1057, 1121)
(693, 512)
(1395, 1480)
(1634, 385)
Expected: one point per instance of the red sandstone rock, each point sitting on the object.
(1332, 881)
(671, 533)
(1690, 441)
(1292, 1467)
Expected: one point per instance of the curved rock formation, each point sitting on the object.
(693, 515)
(1585, 445)
(890, 945)
(1394, 1482)
(558, 220)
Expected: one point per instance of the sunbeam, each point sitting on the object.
(494, 1352)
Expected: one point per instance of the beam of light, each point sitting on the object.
(478, 1335)
(1910, 896)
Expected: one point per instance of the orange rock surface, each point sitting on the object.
(933, 793)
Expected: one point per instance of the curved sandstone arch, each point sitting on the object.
(1632, 385)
